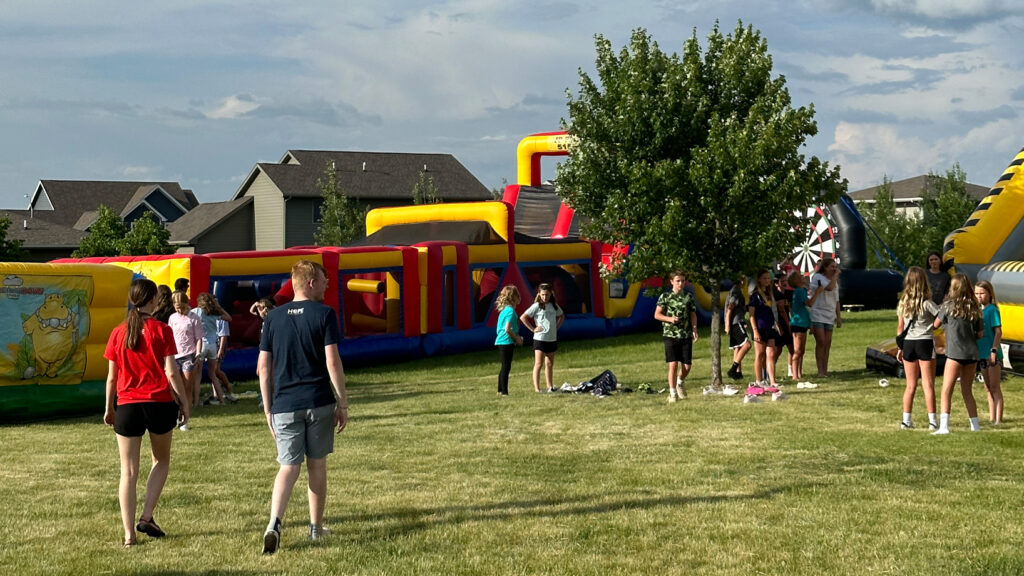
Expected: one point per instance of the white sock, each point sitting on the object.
(931, 419)
(789, 371)
(944, 421)
(906, 418)
(672, 391)
(974, 424)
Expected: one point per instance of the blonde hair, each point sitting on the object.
(304, 271)
(960, 299)
(916, 291)
(179, 297)
(794, 276)
(509, 296)
(987, 287)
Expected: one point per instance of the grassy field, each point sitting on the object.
(438, 475)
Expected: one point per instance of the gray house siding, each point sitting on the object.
(299, 221)
(234, 234)
(268, 213)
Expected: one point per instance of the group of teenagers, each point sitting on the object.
(780, 316)
(302, 382)
(970, 318)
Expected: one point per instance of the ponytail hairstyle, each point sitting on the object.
(141, 293)
(551, 292)
(208, 304)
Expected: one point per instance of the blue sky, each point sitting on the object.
(199, 91)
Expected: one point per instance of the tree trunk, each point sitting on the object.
(716, 334)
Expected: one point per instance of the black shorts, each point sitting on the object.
(799, 329)
(545, 347)
(769, 335)
(133, 420)
(679, 350)
(784, 339)
(914, 350)
(737, 336)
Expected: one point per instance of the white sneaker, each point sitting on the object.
(751, 399)
(710, 390)
(806, 385)
(780, 395)
(671, 398)
(729, 391)
(679, 381)
(940, 431)
(183, 427)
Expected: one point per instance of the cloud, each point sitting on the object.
(138, 172)
(234, 106)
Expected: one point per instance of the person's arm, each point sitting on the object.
(512, 333)
(899, 330)
(659, 315)
(264, 369)
(527, 321)
(222, 349)
(223, 313)
(337, 374)
(810, 299)
(783, 315)
(997, 338)
(255, 309)
(693, 324)
(108, 413)
(728, 317)
(178, 387)
(839, 315)
(199, 333)
(560, 315)
(753, 323)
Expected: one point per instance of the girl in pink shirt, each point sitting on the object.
(188, 336)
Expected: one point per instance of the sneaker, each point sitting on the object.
(318, 532)
(710, 390)
(681, 390)
(904, 425)
(183, 427)
(214, 402)
(940, 431)
(231, 399)
(933, 426)
(751, 399)
(729, 391)
(671, 398)
(779, 395)
(271, 540)
(806, 385)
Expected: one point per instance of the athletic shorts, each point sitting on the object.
(784, 339)
(914, 350)
(769, 335)
(737, 336)
(545, 346)
(822, 326)
(132, 420)
(186, 363)
(799, 329)
(208, 353)
(679, 350)
(304, 433)
(963, 362)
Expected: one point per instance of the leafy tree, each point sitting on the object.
(946, 206)
(694, 160)
(899, 231)
(342, 219)
(425, 190)
(10, 250)
(104, 236)
(146, 236)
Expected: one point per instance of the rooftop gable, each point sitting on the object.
(69, 199)
(911, 189)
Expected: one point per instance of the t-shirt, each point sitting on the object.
(209, 328)
(924, 322)
(783, 304)
(188, 331)
(824, 308)
(296, 334)
(990, 316)
(939, 284)
(764, 316)
(738, 306)
(140, 372)
(800, 316)
(506, 316)
(961, 335)
(679, 304)
(546, 319)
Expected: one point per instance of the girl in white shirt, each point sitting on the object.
(543, 318)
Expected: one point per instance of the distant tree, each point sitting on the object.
(946, 206)
(499, 193)
(10, 250)
(901, 233)
(342, 219)
(146, 236)
(104, 237)
(425, 190)
(694, 160)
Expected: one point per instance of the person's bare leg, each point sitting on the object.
(161, 445)
(128, 448)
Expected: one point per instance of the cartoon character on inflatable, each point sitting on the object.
(53, 331)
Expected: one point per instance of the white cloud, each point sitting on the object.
(234, 106)
(941, 9)
(137, 172)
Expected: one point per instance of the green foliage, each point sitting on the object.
(342, 219)
(10, 250)
(425, 190)
(105, 235)
(695, 160)
(945, 206)
(146, 236)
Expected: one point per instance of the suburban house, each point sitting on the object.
(286, 199)
(909, 193)
(60, 211)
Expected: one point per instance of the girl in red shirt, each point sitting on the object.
(143, 380)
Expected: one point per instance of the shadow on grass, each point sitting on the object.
(402, 521)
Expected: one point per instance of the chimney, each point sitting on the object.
(425, 168)
(364, 166)
(24, 224)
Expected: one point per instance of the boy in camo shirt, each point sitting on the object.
(678, 314)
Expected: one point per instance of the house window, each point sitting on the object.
(318, 204)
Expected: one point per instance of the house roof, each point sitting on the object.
(912, 189)
(197, 222)
(71, 198)
(36, 232)
(370, 175)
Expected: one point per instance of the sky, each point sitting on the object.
(198, 92)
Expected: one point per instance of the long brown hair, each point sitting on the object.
(143, 291)
(960, 299)
(915, 292)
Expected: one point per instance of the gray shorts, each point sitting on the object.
(304, 433)
(186, 363)
(821, 326)
(208, 353)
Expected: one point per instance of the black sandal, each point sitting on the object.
(149, 528)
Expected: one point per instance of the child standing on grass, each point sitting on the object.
(209, 311)
(678, 315)
(800, 321)
(765, 328)
(507, 333)
(735, 327)
(188, 337)
(223, 331)
(918, 353)
(989, 350)
(961, 315)
(543, 318)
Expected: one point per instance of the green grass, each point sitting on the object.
(438, 475)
